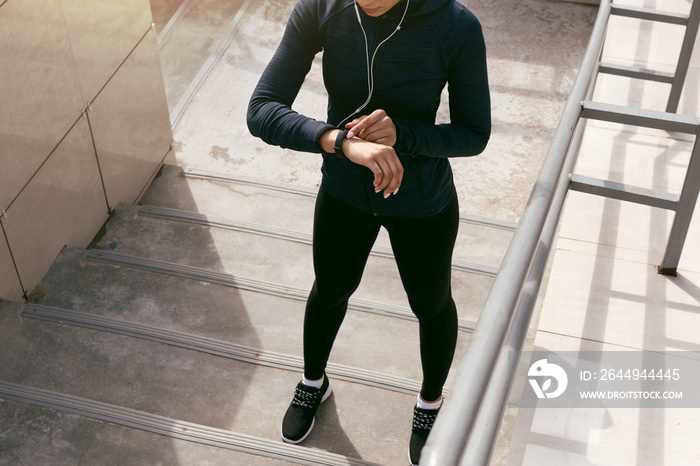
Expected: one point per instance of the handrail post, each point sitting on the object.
(679, 76)
(684, 213)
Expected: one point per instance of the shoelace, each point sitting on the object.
(423, 421)
(305, 399)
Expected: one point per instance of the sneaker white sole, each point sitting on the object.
(409, 458)
(329, 390)
(311, 427)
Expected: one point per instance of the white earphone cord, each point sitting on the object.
(370, 63)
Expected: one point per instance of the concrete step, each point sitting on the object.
(228, 315)
(76, 439)
(481, 240)
(264, 259)
(196, 388)
(210, 221)
(171, 428)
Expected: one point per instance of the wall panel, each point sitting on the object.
(102, 34)
(131, 125)
(23, 144)
(64, 204)
(50, 68)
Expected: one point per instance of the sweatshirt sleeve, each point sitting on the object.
(270, 115)
(469, 102)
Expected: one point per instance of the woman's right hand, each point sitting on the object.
(381, 159)
(376, 127)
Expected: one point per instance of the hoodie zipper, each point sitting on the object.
(369, 185)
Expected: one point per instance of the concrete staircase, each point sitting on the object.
(184, 319)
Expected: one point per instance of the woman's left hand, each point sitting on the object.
(376, 127)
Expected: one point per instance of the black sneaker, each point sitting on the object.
(423, 420)
(299, 418)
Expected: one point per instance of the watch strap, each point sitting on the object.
(338, 146)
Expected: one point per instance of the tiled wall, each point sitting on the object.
(84, 125)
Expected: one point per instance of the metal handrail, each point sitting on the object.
(456, 438)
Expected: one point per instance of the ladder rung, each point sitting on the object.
(639, 117)
(624, 192)
(636, 72)
(649, 14)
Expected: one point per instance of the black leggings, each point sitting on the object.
(343, 238)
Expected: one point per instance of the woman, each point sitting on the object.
(385, 163)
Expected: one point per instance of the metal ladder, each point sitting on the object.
(684, 203)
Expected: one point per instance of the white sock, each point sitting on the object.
(312, 383)
(425, 405)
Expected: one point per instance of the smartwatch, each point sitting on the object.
(338, 146)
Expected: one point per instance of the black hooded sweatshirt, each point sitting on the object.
(439, 42)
